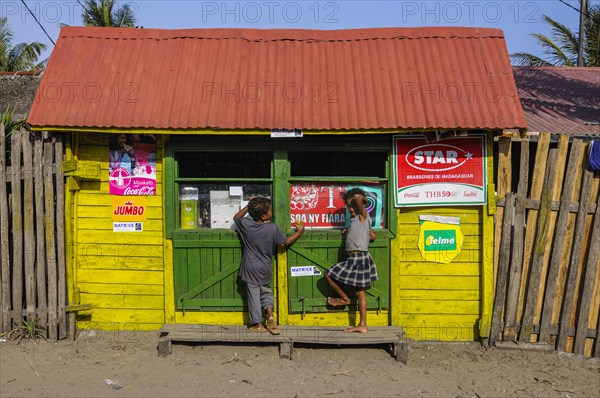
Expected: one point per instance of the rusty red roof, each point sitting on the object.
(396, 78)
(560, 99)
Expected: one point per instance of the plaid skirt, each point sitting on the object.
(358, 270)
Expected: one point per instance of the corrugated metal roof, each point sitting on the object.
(560, 99)
(396, 78)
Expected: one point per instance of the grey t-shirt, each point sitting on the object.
(260, 241)
(357, 238)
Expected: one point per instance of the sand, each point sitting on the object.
(129, 360)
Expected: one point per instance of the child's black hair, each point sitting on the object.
(257, 207)
(350, 194)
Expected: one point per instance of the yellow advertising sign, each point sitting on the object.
(129, 208)
(440, 238)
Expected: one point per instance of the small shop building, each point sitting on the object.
(171, 131)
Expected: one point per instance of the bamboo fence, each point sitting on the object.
(32, 247)
(547, 247)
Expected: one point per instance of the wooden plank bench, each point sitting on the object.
(289, 336)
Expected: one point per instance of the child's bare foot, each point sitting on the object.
(337, 302)
(357, 329)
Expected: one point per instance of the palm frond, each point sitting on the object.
(526, 59)
(124, 17)
(554, 52)
(6, 35)
(563, 36)
(103, 13)
(561, 48)
(24, 56)
(9, 123)
(40, 66)
(591, 47)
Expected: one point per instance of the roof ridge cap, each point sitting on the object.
(307, 39)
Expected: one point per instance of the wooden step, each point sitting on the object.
(289, 336)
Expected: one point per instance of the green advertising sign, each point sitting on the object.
(440, 240)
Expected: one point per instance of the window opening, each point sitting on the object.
(338, 163)
(224, 164)
(213, 186)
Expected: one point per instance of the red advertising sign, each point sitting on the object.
(322, 205)
(452, 171)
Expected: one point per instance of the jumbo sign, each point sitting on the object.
(129, 208)
(452, 171)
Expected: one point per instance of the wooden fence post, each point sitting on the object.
(503, 187)
(559, 175)
(29, 241)
(539, 248)
(5, 323)
(537, 181)
(502, 268)
(588, 284)
(516, 266)
(60, 237)
(17, 228)
(597, 349)
(40, 267)
(569, 292)
(50, 242)
(559, 243)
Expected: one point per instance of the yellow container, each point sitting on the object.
(189, 214)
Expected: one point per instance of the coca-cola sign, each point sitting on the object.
(452, 171)
(132, 164)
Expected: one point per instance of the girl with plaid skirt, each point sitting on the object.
(359, 269)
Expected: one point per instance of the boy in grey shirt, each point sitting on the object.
(260, 238)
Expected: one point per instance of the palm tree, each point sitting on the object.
(562, 48)
(103, 13)
(23, 56)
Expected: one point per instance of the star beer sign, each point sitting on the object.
(451, 171)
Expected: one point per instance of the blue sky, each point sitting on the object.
(517, 18)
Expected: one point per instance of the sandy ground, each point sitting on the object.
(82, 368)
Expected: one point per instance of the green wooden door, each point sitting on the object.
(206, 259)
(322, 249)
(205, 266)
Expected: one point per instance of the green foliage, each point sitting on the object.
(10, 125)
(103, 13)
(21, 57)
(30, 330)
(562, 47)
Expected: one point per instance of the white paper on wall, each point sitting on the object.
(222, 209)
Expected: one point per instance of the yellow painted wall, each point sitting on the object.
(435, 301)
(121, 274)
(128, 277)
(446, 302)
